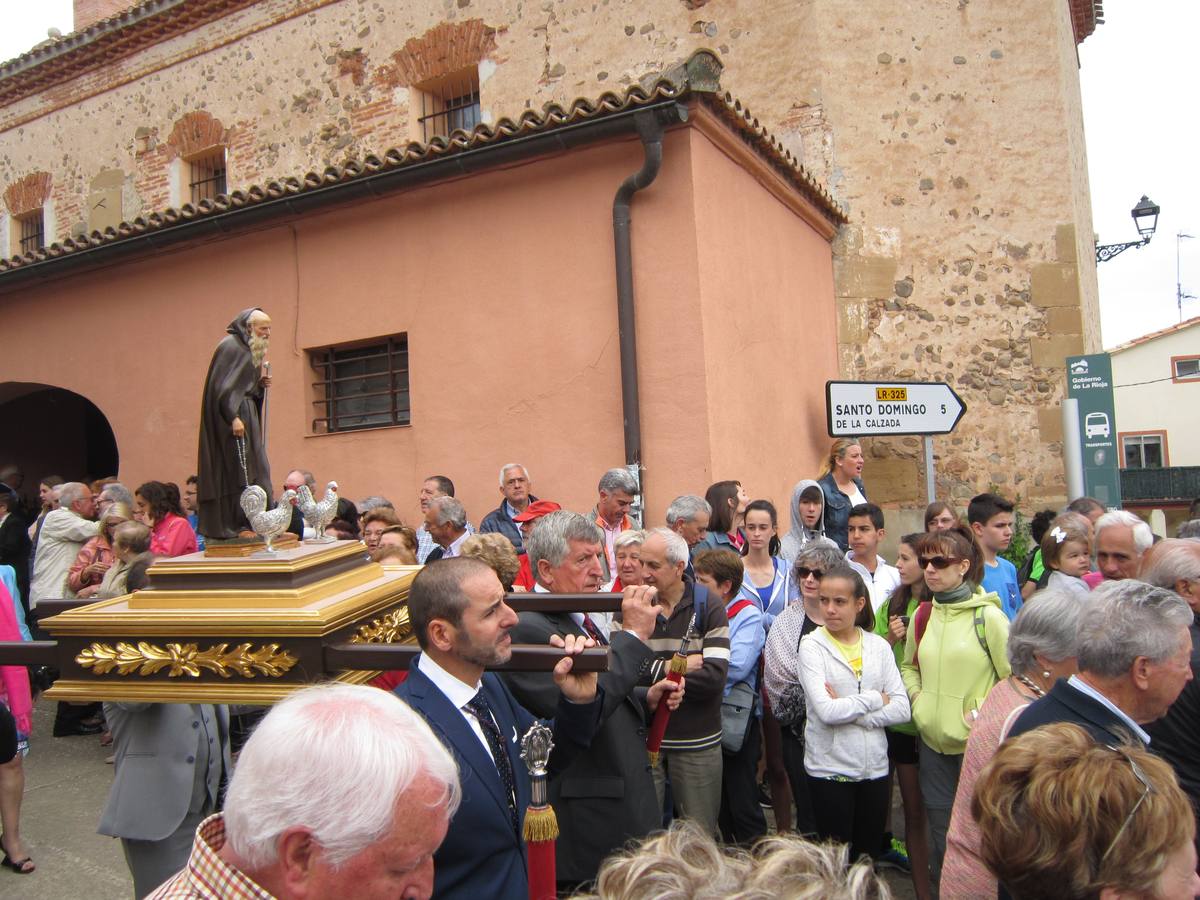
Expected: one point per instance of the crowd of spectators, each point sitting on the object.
(818, 677)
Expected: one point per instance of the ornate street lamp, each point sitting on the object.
(1145, 218)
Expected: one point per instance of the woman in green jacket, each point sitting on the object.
(952, 657)
(892, 620)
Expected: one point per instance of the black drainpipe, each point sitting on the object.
(650, 130)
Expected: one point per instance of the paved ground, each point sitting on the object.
(66, 782)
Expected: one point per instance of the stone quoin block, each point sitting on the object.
(1055, 284)
(1064, 244)
(1064, 320)
(865, 276)
(1049, 421)
(1052, 352)
(895, 480)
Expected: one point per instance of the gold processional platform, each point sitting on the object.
(249, 629)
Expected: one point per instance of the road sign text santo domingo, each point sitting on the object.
(856, 408)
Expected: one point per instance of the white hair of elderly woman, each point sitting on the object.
(630, 537)
(1047, 626)
(334, 758)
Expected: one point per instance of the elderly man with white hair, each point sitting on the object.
(64, 532)
(605, 798)
(1134, 658)
(446, 523)
(514, 488)
(694, 620)
(1174, 564)
(1120, 540)
(342, 791)
(688, 517)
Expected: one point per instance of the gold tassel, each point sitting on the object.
(540, 825)
(653, 754)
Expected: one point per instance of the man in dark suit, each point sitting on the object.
(14, 541)
(606, 796)
(462, 624)
(1175, 565)
(1134, 659)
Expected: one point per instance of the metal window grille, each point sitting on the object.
(33, 231)
(450, 105)
(207, 180)
(1143, 451)
(361, 386)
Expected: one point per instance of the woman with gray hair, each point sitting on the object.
(628, 548)
(1042, 644)
(784, 714)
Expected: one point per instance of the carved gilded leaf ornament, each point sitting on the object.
(395, 627)
(145, 658)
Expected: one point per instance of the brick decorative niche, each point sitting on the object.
(445, 48)
(196, 133)
(28, 193)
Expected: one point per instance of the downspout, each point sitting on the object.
(650, 131)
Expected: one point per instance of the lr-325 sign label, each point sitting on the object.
(867, 408)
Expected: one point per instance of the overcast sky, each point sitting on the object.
(1138, 79)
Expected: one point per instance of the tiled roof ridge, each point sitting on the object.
(553, 115)
(104, 41)
(1153, 335)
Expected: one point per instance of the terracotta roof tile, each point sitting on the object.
(554, 116)
(1154, 335)
(123, 34)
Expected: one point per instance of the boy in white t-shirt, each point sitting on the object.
(864, 529)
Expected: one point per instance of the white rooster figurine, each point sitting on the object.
(267, 523)
(318, 515)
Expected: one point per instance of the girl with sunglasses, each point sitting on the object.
(784, 711)
(891, 624)
(953, 655)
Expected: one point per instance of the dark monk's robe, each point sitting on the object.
(233, 389)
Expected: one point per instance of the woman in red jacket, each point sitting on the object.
(158, 509)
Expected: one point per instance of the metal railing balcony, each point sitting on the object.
(1172, 484)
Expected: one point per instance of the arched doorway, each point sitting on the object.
(46, 430)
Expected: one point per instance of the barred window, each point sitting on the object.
(361, 385)
(206, 173)
(33, 231)
(449, 104)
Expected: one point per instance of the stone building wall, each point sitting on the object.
(950, 131)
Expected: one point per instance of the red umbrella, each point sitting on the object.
(658, 726)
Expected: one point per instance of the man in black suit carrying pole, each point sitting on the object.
(606, 796)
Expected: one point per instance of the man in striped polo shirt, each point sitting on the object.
(691, 749)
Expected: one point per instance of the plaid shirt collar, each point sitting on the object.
(207, 876)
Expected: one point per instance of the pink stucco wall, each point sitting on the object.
(504, 282)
